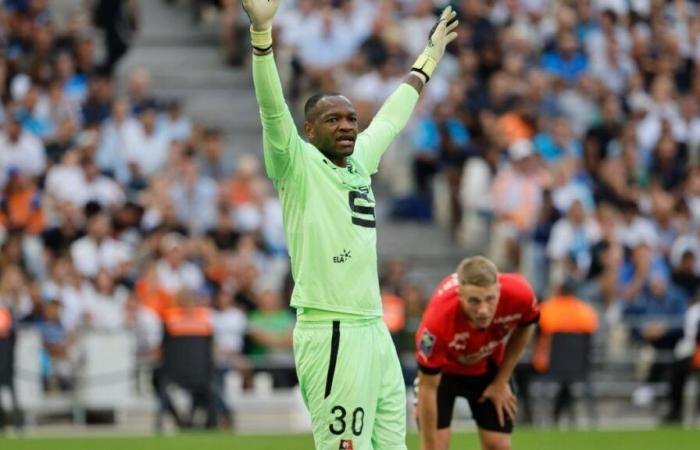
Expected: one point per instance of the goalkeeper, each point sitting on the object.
(348, 369)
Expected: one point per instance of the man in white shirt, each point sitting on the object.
(97, 250)
(173, 270)
(21, 150)
(147, 149)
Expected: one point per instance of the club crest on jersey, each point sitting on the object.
(427, 343)
(459, 341)
(345, 444)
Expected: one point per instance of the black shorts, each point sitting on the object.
(470, 387)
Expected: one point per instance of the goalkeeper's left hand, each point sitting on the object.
(442, 34)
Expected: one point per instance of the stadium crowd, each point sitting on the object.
(564, 133)
(116, 210)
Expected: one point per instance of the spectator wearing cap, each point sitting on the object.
(21, 150)
(517, 197)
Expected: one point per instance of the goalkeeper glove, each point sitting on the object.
(260, 13)
(442, 33)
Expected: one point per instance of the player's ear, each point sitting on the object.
(309, 130)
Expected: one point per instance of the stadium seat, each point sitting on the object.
(188, 364)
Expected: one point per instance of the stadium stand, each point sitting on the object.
(561, 137)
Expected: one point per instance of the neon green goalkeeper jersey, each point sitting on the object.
(329, 215)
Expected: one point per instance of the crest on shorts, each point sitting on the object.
(345, 444)
(427, 343)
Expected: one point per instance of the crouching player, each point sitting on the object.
(462, 351)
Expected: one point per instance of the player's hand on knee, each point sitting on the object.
(261, 12)
(503, 399)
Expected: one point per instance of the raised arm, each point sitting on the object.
(394, 114)
(280, 138)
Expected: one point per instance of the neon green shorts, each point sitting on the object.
(351, 381)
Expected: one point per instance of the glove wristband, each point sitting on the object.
(425, 65)
(261, 40)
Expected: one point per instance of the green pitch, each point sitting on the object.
(664, 439)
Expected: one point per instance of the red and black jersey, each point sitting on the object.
(447, 342)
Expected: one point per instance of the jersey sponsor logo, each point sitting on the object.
(427, 343)
(505, 319)
(459, 341)
(484, 351)
(345, 444)
(344, 256)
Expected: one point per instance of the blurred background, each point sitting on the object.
(144, 279)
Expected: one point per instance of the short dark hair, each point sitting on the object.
(314, 99)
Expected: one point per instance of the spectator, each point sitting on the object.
(195, 197)
(563, 313)
(570, 243)
(57, 356)
(119, 20)
(211, 157)
(20, 150)
(147, 149)
(270, 329)
(105, 304)
(656, 318)
(97, 250)
(173, 270)
(517, 195)
(230, 325)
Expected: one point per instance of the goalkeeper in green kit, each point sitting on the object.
(348, 369)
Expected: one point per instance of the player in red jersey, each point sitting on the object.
(462, 351)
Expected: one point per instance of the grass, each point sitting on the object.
(524, 439)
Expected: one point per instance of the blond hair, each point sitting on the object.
(477, 271)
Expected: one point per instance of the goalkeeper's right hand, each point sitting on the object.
(260, 13)
(442, 34)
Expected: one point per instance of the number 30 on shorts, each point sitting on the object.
(339, 424)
